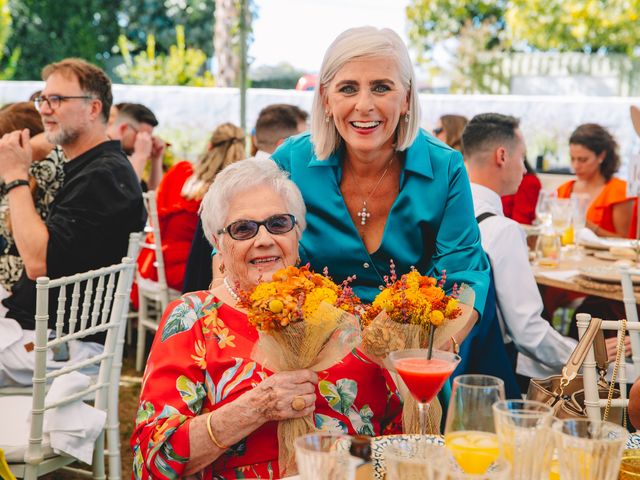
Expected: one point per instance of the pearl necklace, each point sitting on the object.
(230, 289)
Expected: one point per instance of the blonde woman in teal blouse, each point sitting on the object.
(376, 187)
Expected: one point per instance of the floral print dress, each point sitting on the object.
(201, 360)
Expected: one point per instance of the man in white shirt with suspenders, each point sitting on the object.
(494, 151)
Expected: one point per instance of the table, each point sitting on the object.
(569, 284)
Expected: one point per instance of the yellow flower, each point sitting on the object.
(201, 352)
(451, 307)
(437, 317)
(313, 299)
(276, 306)
(263, 291)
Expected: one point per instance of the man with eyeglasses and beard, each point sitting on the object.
(133, 125)
(88, 225)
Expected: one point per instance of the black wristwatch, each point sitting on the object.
(16, 183)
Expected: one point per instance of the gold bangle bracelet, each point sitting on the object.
(211, 436)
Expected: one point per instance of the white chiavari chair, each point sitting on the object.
(592, 401)
(153, 295)
(88, 303)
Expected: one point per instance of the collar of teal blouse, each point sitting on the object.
(417, 161)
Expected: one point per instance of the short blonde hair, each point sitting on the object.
(355, 43)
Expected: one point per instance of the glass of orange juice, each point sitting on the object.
(470, 433)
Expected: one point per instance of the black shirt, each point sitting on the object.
(89, 223)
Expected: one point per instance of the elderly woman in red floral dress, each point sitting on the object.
(206, 407)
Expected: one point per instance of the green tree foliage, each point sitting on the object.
(50, 30)
(431, 21)
(486, 28)
(139, 18)
(282, 76)
(181, 66)
(6, 71)
(576, 25)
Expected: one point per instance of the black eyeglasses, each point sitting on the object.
(438, 131)
(247, 229)
(54, 101)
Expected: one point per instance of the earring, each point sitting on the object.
(406, 117)
(298, 261)
(326, 116)
(221, 268)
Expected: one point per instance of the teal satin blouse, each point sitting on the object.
(431, 224)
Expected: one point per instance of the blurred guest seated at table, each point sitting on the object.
(178, 200)
(449, 130)
(594, 159)
(494, 150)
(46, 175)
(275, 124)
(98, 205)
(133, 124)
(205, 405)
(521, 206)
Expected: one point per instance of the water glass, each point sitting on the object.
(470, 433)
(421, 460)
(589, 450)
(580, 204)
(324, 456)
(543, 207)
(524, 436)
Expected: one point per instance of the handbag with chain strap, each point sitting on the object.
(565, 392)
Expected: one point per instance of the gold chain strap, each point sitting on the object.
(614, 375)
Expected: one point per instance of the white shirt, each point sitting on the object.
(519, 302)
(262, 155)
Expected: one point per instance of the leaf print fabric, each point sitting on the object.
(201, 360)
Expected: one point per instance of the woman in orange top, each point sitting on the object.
(594, 158)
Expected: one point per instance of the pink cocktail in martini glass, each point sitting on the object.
(424, 377)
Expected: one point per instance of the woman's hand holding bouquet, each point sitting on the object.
(305, 321)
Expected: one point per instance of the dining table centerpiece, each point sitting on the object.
(413, 311)
(304, 321)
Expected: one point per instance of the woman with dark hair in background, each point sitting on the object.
(594, 158)
(449, 130)
(521, 206)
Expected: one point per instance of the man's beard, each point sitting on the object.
(64, 136)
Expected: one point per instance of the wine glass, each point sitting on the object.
(470, 433)
(543, 207)
(423, 376)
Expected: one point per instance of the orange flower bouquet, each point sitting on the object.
(304, 321)
(413, 311)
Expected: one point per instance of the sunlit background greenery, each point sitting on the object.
(178, 42)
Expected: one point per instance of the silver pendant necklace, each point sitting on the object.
(230, 289)
(364, 213)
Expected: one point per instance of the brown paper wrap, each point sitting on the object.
(384, 335)
(317, 343)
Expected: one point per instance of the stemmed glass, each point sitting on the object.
(543, 207)
(470, 433)
(423, 376)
